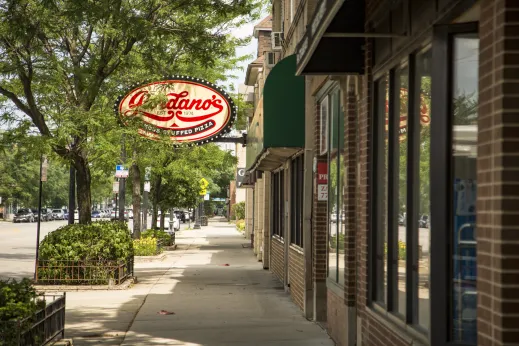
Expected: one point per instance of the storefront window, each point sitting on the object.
(278, 204)
(335, 185)
(401, 191)
(296, 201)
(464, 134)
(401, 99)
(382, 140)
(423, 70)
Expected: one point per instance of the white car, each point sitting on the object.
(130, 213)
(174, 224)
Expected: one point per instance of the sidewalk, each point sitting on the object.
(213, 304)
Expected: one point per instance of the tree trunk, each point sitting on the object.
(136, 197)
(84, 197)
(155, 200)
(162, 217)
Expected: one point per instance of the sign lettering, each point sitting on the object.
(186, 109)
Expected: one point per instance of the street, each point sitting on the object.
(18, 246)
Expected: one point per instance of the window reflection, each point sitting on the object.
(423, 68)
(382, 190)
(333, 207)
(402, 81)
(464, 151)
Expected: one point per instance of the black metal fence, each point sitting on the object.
(40, 329)
(64, 272)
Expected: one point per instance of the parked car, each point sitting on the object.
(187, 216)
(171, 224)
(113, 215)
(24, 215)
(65, 214)
(423, 221)
(58, 214)
(130, 213)
(180, 215)
(49, 216)
(96, 214)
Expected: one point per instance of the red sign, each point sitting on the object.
(187, 109)
(322, 173)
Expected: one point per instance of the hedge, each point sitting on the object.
(146, 247)
(163, 236)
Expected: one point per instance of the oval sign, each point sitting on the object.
(187, 109)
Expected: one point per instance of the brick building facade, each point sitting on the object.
(410, 106)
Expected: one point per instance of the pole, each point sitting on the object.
(71, 194)
(122, 182)
(145, 211)
(39, 222)
(116, 194)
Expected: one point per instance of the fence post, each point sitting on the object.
(63, 318)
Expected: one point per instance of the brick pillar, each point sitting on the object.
(320, 229)
(363, 204)
(266, 220)
(498, 174)
(256, 204)
(248, 212)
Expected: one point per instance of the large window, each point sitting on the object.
(278, 204)
(296, 201)
(401, 192)
(336, 172)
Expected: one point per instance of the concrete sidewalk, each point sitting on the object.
(218, 292)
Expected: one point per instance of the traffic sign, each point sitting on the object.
(240, 175)
(121, 172)
(115, 187)
(147, 186)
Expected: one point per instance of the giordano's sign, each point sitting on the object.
(186, 109)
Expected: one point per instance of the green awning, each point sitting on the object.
(278, 131)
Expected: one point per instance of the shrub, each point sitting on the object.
(145, 247)
(162, 236)
(238, 210)
(85, 254)
(240, 225)
(99, 241)
(18, 302)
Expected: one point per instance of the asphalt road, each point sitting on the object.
(18, 246)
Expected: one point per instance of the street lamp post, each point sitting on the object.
(43, 177)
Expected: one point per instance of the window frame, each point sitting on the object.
(442, 180)
(278, 204)
(296, 201)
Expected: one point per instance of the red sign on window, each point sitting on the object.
(322, 173)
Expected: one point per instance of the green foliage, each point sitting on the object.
(146, 247)
(238, 210)
(333, 243)
(18, 302)
(240, 225)
(99, 241)
(163, 237)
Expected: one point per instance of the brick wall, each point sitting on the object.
(264, 42)
(296, 272)
(498, 174)
(277, 258)
(337, 317)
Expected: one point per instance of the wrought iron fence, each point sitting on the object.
(43, 327)
(65, 272)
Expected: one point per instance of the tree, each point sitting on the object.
(62, 62)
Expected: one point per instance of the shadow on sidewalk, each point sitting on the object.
(218, 294)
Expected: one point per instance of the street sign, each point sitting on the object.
(115, 187)
(240, 176)
(147, 174)
(44, 166)
(322, 192)
(206, 197)
(218, 199)
(121, 172)
(147, 186)
(203, 186)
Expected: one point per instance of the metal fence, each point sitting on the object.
(64, 272)
(43, 327)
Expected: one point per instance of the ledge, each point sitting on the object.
(67, 288)
(297, 249)
(336, 288)
(146, 259)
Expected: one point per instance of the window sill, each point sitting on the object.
(406, 332)
(335, 287)
(297, 249)
(278, 238)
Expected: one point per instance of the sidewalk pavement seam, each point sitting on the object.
(151, 288)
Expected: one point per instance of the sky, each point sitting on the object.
(251, 48)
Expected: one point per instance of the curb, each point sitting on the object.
(146, 259)
(63, 342)
(68, 288)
